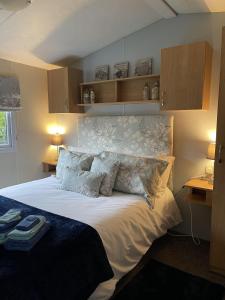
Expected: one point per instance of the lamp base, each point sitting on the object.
(209, 172)
(209, 177)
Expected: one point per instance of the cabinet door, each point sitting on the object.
(217, 253)
(58, 91)
(185, 76)
(74, 80)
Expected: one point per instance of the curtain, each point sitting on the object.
(10, 99)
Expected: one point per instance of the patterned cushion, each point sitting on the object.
(137, 175)
(83, 182)
(110, 168)
(73, 160)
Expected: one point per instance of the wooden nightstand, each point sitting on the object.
(49, 166)
(199, 191)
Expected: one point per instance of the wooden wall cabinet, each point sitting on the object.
(185, 77)
(64, 90)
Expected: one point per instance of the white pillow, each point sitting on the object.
(166, 174)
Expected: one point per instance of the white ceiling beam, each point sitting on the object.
(162, 8)
(12, 5)
(190, 6)
(4, 16)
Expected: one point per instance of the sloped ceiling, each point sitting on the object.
(51, 31)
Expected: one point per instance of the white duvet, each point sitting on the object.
(125, 222)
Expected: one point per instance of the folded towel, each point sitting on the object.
(7, 222)
(28, 222)
(27, 245)
(4, 237)
(27, 235)
(5, 230)
(7, 226)
(10, 216)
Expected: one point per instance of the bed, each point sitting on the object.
(126, 224)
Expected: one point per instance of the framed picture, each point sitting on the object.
(121, 70)
(102, 72)
(143, 67)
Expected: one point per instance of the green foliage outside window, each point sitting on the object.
(3, 128)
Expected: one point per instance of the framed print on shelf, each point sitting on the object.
(102, 72)
(121, 70)
(143, 67)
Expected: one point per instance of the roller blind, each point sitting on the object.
(10, 99)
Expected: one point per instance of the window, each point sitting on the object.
(6, 131)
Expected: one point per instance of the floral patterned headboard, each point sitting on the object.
(139, 135)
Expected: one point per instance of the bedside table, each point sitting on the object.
(49, 166)
(199, 191)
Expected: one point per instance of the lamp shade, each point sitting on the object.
(211, 151)
(56, 140)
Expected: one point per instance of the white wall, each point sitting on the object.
(191, 127)
(31, 122)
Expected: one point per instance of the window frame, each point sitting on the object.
(10, 146)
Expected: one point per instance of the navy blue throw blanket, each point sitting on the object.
(67, 263)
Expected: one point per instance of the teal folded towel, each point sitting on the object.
(10, 216)
(27, 245)
(27, 223)
(7, 222)
(3, 237)
(7, 226)
(27, 235)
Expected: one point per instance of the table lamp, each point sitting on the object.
(211, 151)
(56, 140)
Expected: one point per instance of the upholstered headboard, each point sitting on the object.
(139, 135)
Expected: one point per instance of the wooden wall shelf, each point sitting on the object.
(119, 91)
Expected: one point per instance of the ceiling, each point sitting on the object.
(54, 31)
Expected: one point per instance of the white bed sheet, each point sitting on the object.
(126, 224)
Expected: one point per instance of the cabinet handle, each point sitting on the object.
(220, 154)
(66, 104)
(163, 98)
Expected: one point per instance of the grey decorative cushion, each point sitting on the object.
(137, 175)
(84, 182)
(75, 160)
(110, 168)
